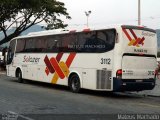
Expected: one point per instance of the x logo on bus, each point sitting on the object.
(136, 41)
(60, 68)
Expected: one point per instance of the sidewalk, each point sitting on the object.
(2, 72)
(155, 92)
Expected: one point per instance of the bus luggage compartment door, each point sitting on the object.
(138, 67)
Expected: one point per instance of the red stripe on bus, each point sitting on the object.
(48, 64)
(47, 71)
(126, 33)
(137, 41)
(70, 59)
(57, 68)
(141, 42)
(134, 35)
(59, 56)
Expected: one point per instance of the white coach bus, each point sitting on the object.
(121, 58)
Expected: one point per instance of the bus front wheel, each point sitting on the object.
(74, 83)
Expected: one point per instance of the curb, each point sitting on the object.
(3, 72)
(151, 95)
(154, 95)
(143, 94)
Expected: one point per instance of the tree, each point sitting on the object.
(26, 13)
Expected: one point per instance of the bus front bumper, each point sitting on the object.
(120, 85)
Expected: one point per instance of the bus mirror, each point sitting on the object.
(4, 51)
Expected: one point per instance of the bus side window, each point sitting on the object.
(41, 44)
(68, 43)
(83, 41)
(30, 45)
(96, 41)
(53, 43)
(109, 39)
(20, 45)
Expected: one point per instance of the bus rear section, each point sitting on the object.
(138, 62)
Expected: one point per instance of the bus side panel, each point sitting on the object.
(96, 70)
(89, 78)
(89, 66)
(11, 70)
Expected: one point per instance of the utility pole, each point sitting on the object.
(139, 12)
(87, 13)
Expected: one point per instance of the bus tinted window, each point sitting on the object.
(20, 45)
(96, 41)
(53, 43)
(40, 44)
(90, 42)
(30, 45)
(12, 46)
(68, 43)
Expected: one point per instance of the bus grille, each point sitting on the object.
(103, 79)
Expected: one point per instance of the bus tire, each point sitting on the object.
(19, 76)
(74, 83)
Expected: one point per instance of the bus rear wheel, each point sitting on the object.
(19, 76)
(74, 83)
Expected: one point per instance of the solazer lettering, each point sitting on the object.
(148, 34)
(31, 59)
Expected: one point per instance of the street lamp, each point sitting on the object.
(139, 12)
(87, 15)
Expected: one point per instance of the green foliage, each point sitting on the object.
(25, 13)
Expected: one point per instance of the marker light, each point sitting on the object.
(86, 30)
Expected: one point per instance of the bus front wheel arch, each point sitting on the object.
(74, 83)
(19, 75)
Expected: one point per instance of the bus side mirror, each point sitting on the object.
(4, 51)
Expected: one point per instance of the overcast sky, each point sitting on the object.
(108, 12)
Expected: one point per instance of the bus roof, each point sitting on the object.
(64, 31)
(138, 27)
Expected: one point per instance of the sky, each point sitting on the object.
(112, 12)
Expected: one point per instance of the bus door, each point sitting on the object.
(10, 59)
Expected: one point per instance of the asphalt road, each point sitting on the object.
(40, 99)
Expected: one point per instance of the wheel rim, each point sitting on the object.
(75, 84)
(19, 75)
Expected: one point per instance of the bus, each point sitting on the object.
(1, 56)
(118, 59)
